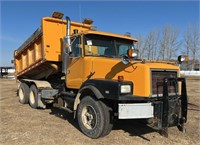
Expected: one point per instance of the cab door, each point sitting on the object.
(74, 76)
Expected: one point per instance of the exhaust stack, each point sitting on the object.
(66, 46)
(68, 33)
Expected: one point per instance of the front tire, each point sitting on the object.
(33, 97)
(94, 118)
(23, 93)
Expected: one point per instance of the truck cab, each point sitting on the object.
(107, 67)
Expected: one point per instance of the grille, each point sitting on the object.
(157, 82)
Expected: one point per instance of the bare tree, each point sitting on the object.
(141, 45)
(169, 43)
(151, 45)
(192, 42)
(187, 40)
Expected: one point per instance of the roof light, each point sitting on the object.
(87, 21)
(57, 15)
(127, 34)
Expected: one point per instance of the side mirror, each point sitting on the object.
(125, 60)
(67, 46)
(89, 43)
(183, 58)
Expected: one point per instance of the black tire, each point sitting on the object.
(109, 118)
(23, 93)
(33, 97)
(94, 118)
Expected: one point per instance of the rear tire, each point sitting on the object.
(33, 97)
(94, 118)
(23, 93)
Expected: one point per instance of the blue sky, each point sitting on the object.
(19, 19)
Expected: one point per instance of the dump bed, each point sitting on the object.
(40, 55)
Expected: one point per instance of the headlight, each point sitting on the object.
(125, 89)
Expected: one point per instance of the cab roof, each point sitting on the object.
(109, 34)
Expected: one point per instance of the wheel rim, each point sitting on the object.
(32, 97)
(21, 94)
(89, 117)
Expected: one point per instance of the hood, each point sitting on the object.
(136, 71)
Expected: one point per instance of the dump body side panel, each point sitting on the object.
(53, 33)
(40, 55)
(29, 53)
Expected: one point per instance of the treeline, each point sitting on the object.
(168, 43)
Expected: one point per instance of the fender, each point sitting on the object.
(39, 84)
(102, 88)
(91, 88)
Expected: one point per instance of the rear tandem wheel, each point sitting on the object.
(33, 97)
(23, 93)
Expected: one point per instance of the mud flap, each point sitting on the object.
(41, 104)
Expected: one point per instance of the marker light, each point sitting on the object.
(120, 78)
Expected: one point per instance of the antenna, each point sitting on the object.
(80, 12)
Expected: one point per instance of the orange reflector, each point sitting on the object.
(186, 58)
(120, 78)
(130, 52)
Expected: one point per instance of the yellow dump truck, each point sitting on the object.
(98, 76)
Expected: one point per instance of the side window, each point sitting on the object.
(76, 50)
(101, 50)
(122, 50)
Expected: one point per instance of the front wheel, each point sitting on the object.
(94, 118)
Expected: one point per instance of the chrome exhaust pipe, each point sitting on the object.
(66, 42)
(68, 33)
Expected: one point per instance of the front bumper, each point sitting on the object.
(135, 111)
(161, 112)
(174, 110)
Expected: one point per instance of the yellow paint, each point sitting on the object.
(75, 70)
(111, 68)
(48, 47)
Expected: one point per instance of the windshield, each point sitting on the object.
(98, 45)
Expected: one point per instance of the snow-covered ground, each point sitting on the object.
(10, 73)
(185, 73)
(190, 73)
